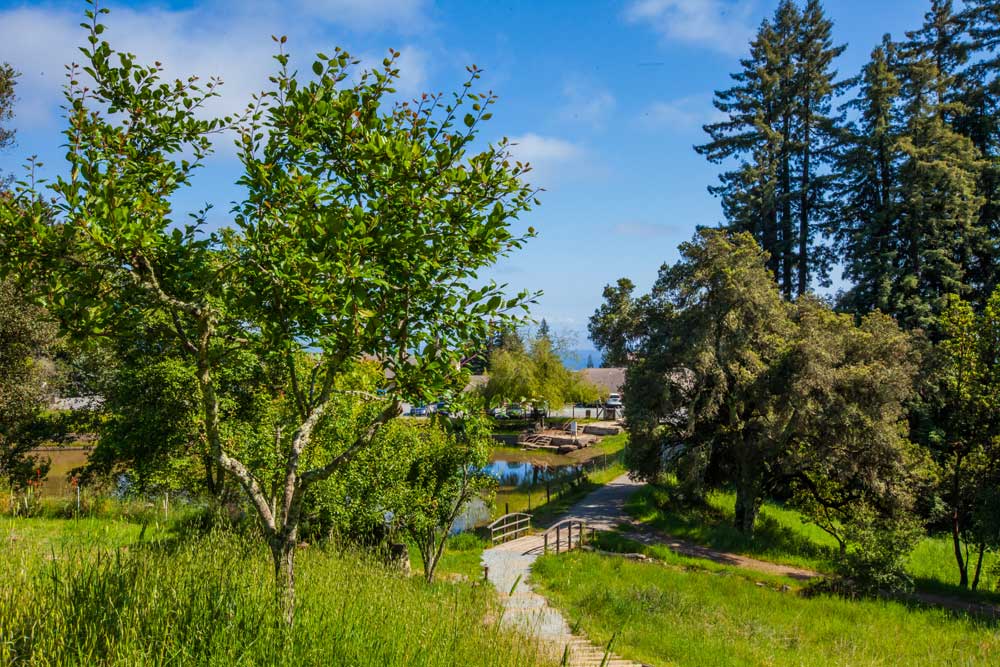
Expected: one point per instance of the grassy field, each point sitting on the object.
(91, 592)
(684, 614)
(783, 536)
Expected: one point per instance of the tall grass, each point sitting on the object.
(209, 601)
(687, 616)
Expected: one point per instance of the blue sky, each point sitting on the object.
(604, 98)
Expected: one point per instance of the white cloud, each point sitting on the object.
(217, 38)
(586, 103)
(551, 159)
(723, 25)
(685, 113)
(538, 150)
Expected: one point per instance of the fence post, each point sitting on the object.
(558, 537)
(545, 541)
(506, 508)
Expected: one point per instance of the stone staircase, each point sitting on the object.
(536, 441)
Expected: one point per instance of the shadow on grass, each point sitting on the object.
(708, 525)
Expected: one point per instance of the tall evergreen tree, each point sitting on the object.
(939, 227)
(980, 121)
(866, 173)
(780, 131)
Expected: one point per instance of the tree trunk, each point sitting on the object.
(956, 538)
(787, 225)
(804, 206)
(283, 554)
(979, 567)
(956, 528)
(748, 503)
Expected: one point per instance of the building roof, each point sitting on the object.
(611, 380)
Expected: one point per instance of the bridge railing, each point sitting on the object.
(509, 527)
(561, 535)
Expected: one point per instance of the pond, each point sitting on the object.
(519, 473)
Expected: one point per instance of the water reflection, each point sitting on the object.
(519, 473)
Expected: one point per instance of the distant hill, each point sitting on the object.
(577, 359)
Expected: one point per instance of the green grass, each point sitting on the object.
(782, 535)
(83, 593)
(706, 617)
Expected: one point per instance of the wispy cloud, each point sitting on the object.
(646, 230)
(685, 113)
(221, 38)
(540, 151)
(723, 25)
(586, 103)
(551, 159)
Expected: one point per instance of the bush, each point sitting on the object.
(876, 558)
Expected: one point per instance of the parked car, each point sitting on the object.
(443, 409)
(614, 401)
(515, 412)
(499, 413)
(419, 411)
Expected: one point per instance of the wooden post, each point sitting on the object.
(545, 541)
(558, 537)
(486, 572)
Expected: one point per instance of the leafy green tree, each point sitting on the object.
(8, 78)
(26, 338)
(848, 384)
(614, 326)
(707, 380)
(968, 444)
(447, 473)
(736, 385)
(536, 375)
(363, 225)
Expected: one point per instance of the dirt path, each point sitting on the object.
(649, 536)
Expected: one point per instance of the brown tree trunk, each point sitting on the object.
(804, 210)
(979, 567)
(748, 502)
(956, 528)
(283, 554)
(956, 538)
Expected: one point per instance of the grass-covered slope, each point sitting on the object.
(95, 595)
(687, 616)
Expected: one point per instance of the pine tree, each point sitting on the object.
(940, 232)
(980, 121)
(816, 136)
(780, 131)
(543, 330)
(866, 173)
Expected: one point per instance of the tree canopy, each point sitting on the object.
(365, 224)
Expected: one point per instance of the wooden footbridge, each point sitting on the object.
(507, 565)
